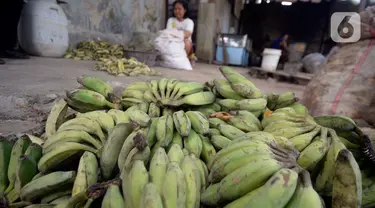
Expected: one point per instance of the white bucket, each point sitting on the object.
(270, 59)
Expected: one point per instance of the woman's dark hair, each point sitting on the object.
(184, 4)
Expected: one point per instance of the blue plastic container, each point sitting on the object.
(236, 56)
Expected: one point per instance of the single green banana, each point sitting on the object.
(119, 116)
(208, 150)
(138, 178)
(150, 197)
(301, 141)
(5, 155)
(182, 123)
(56, 116)
(193, 182)
(224, 88)
(84, 124)
(87, 173)
(174, 191)
(199, 122)
(112, 148)
(246, 91)
(113, 197)
(136, 154)
(338, 123)
(158, 168)
(164, 130)
(46, 184)
(193, 143)
(104, 120)
(220, 141)
(175, 154)
(153, 110)
(347, 181)
(139, 117)
(230, 131)
(96, 84)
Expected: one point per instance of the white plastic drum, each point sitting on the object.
(270, 59)
(43, 29)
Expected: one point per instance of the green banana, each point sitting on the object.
(136, 154)
(347, 181)
(291, 132)
(151, 133)
(90, 98)
(230, 131)
(139, 117)
(214, 122)
(137, 94)
(155, 89)
(301, 141)
(113, 197)
(210, 197)
(112, 148)
(52, 196)
(251, 104)
(164, 130)
(150, 197)
(224, 88)
(18, 150)
(246, 91)
(196, 99)
(85, 124)
(174, 191)
(138, 178)
(177, 139)
(175, 154)
(5, 155)
(229, 104)
(187, 88)
(275, 193)
(220, 141)
(45, 184)
(87, 173)
(170, 86)
(182, 123)
(338, 123)
(158, 168)
(141, 86)
(208, 150)
(214, 131)
(119, 116)
(193, 182)
(193, 143)
(104, 119)
(199, 122)
(96, 84)
(56, 116)
(153, 110)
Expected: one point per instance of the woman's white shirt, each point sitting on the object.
(186, 25)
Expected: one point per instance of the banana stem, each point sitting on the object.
(12, 196)
(305, 178)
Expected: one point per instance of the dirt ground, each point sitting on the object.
(29, 87)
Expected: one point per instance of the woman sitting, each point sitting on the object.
(180, 21)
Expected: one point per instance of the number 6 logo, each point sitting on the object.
(345, 27)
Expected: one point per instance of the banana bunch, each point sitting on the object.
(239, 173)
(124, 67)
(276, 101)
(94, 50)
(167, 93)
(173, 179)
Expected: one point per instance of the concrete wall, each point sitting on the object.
(113, 20)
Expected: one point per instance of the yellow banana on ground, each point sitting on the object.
(138, 178)
(46, 184)
(347, 181)
(112, 148)
(113, 197)
(301, 141)
(193, 182)
(305, 195)
(56, 116)
(323, 183)
(275, 193)
(193, 143)
(174, 187)
(230, 131)
(84, 124)
(96, 84)
(182, 123)
(87, 173)
(164, 130)
(315, 151)
(150, 197)
(199, 122)
(158, 168)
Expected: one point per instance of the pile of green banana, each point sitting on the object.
(124, 67)
(94, 50)
(170, 143)
(110, 57)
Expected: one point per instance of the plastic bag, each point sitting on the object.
(313, 62)
(171, 47)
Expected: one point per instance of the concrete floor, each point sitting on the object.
(28, 87)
